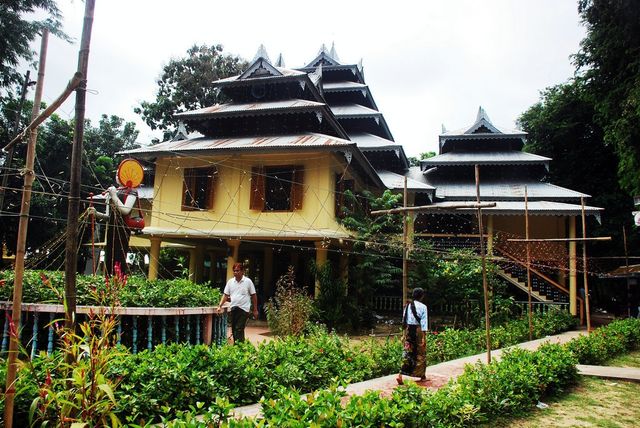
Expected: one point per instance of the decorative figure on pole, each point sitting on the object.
(121, 221)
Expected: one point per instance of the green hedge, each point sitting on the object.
(138, 292)
(450, 344)
(483, 392)
(174, 377)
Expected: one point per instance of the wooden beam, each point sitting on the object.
(434, 208)
(599, 238)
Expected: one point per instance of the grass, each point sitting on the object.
(593, 402)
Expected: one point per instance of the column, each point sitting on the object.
(232, 255)
(154, 257)
(192, 265)
(199, 263)
(573, 277)
(490, 235)
(344, 270)
(321, 259)
(268, 272)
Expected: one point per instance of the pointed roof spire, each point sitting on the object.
(262, 53)
(280, 61)
(482, 115)
(444, 130)
(333, 54)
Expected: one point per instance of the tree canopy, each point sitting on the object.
(185, 84)
(52, 167)
(18, 30)
(609, 62)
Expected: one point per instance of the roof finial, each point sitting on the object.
(482, 115)
(262, 53)
(280, 61)
(323, 49)
(333, 54)
(444, 130)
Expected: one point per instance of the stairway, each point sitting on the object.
(543, 289)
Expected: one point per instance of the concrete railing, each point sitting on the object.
(138, 328)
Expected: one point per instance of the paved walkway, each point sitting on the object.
(439, 374)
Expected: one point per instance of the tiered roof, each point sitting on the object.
(271, 109)
(505, 172)
(350, 99)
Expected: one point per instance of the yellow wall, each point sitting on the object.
(539, 226)
(232, 194)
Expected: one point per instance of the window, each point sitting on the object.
(198, 187)
(277, 188)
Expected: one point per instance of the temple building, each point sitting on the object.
(507, 176)
(261, 178)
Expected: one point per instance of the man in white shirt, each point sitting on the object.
(241, 292)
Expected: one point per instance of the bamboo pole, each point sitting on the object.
(23, 225)
(526, 223)
(76, 171)
(405, 277)
(434, 207)
(584, 267)
(485, 287)
(35, 122)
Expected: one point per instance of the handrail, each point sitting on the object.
(546, 278)
(119, 310)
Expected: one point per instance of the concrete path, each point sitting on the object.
(439, 375)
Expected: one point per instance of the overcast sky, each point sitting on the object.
(427, 63)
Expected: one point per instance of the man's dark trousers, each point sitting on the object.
(238, 323)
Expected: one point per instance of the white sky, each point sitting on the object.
(427, 63)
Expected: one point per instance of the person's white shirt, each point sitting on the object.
(240, 293)
(421, 311)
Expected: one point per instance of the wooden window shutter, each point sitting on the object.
(212, 173)
(188, 189)
(297, 188)
(256, 201)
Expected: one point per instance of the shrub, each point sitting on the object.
(289, 311)
(48, 286)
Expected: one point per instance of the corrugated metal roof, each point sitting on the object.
(354, 110)
(249, 107)
(248, 232)
(370, 142)
(502, 190)
(342, 86)
(284, 71)
(485, 158)
(396, 181)
(518, 208)
(244, 143)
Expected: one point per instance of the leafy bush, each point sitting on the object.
(450, 344)
(289, 311)
(48, 286)
(607, 342)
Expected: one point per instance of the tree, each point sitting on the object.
(52, 167)
(609, 59)
(185, 85)
(17, 31)
(562, 126)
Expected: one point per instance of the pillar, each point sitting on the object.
(154, 257)
(321, 259)
(490, 235)
(344, 270)
(232, 255)
(192, 265)
(573, 277)
(268, 272)
(198, 272)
